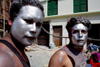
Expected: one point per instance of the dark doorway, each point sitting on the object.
(94, 33)
(57, 31)
(43, 38)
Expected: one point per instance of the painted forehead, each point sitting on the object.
(29, 12)
(79, 27)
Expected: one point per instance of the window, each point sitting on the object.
(52, 7)
(80, 6)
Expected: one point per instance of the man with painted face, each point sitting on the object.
(25, 20)
(72, 55)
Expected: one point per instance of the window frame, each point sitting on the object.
(85, 5)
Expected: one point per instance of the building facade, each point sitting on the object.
(58, 12)
(4, 14)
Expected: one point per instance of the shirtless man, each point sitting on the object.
(25, 20)
(72, 55)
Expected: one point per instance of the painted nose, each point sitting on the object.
(80, 34)
(33, 28)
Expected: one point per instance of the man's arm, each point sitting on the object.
(60, 59)
(6, 60)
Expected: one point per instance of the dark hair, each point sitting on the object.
(17, 5)
(73, 21)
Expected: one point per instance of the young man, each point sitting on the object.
(72, 55)
(26, 18)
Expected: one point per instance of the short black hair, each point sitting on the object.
(73, 21)
(17, 5)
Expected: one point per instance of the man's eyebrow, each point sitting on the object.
(29, 18)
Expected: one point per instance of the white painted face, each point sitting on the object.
(27, 25)
(79, 34)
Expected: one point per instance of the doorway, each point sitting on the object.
(57, 31)
(94, 33)
(43, 38)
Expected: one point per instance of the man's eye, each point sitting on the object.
(29, 21)
(75, 31)
(84, 31)
(38, 24)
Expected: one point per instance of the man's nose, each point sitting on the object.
(33, 28)
(80, 34)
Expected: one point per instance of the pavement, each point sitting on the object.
(39, 56)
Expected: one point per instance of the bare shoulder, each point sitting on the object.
(6, 60)
(6, 57)
(58, 59)
(60, 53)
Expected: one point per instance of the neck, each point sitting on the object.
(19, 46)
(75, 47)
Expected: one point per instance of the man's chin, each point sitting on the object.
(28, 44)
(80, 44)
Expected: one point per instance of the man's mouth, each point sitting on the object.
(31, 38)
(79, 40)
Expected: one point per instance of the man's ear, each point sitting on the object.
(9, 21)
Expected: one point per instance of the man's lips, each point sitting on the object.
(79, 40)
(30, 37)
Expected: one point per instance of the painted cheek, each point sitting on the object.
(75, 36)
(74, 39)
(86, 36)
(38, 31)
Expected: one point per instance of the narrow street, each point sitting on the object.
(39, 56)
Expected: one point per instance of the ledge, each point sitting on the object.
(43, 1)
(71, 15)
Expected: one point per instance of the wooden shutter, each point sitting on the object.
(80, 5)
(52, 7)
(83, 5)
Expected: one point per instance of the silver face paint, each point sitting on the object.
(27, 25)
(79, 34)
